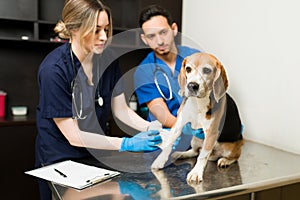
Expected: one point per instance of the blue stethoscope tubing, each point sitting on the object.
(157, 70)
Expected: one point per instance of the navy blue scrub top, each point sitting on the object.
(54, 78)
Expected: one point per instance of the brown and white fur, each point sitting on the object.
(203, 83)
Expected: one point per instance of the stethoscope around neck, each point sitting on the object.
(74, 85)
(156, 71)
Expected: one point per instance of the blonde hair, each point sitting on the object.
(81, 14)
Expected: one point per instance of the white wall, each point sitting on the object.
(258, 42)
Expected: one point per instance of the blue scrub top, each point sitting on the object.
(54, 78)
(145, 87)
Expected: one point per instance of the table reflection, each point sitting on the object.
(158, 184)
(259, 167)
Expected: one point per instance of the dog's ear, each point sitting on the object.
(182, 78)
(220, 84)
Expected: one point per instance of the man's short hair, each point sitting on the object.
(152, 11)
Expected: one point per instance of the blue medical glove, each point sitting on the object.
(187, 130)
(143, 141)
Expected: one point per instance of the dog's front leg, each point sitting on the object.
(168, 142)
(166, 147)
(196, 174)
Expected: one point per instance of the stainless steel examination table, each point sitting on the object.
(259, 168)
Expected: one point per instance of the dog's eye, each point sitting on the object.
(206, 70)
(188, 69)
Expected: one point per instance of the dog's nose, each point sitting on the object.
(193, 86)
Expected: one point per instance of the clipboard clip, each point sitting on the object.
(98, 179)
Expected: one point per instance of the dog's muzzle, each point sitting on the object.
(193, 87)
(195, 90)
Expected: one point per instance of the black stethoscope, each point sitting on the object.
(74, 85)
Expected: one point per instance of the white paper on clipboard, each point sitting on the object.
(73, 174)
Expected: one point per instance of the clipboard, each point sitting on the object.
(73, 174)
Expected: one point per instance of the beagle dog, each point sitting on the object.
(203, 84)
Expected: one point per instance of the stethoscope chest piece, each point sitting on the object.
(100, 101)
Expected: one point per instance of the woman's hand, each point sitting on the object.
(188, 130)
(143, 141)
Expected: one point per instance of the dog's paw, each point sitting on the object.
(156, 165)
(194, 176)
(224, 162)
(160, 161)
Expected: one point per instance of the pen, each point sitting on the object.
(60, 173)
